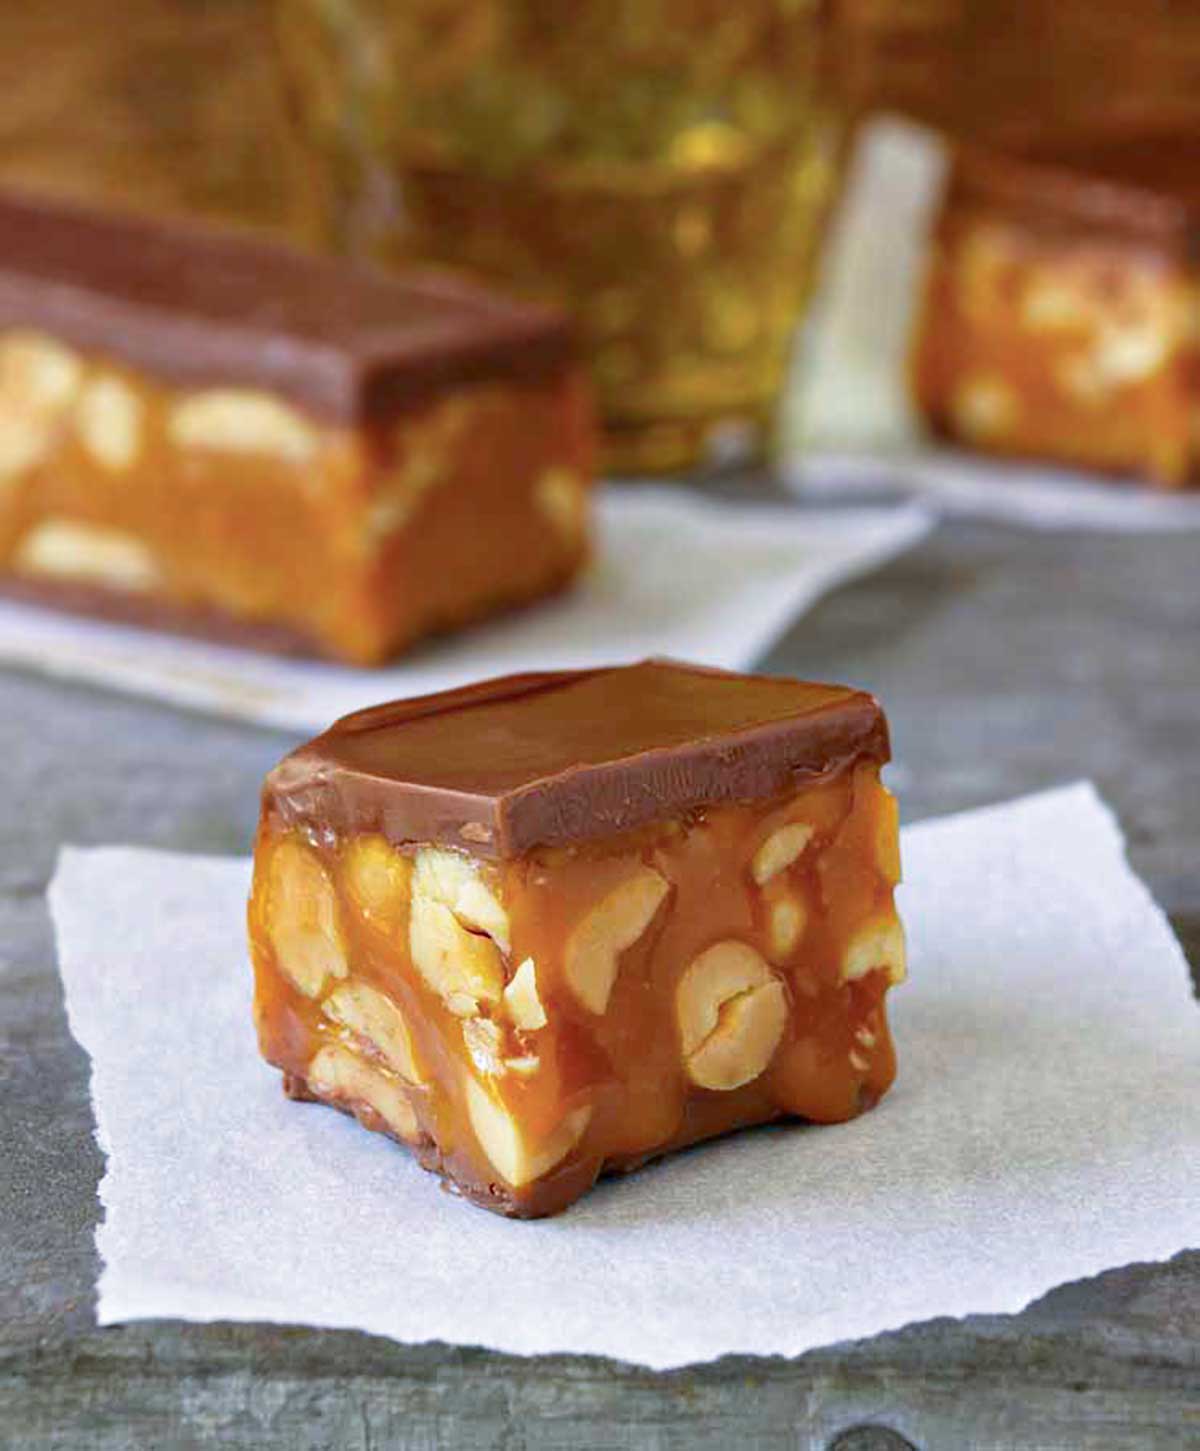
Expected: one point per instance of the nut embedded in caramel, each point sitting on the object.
(302, 913)
(230, 420)
(377, 1023)
(464, 968)
(521, 999)
(344, 1079)
(732, 1010)
(614, 924)
(788, 920)
(453, 880)
(109, 419)
(378, 878)
(780, 850)
(62, 549)
(876, 947)
(516, 1157)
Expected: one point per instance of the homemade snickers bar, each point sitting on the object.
(225, 435)
(553, 926)
(1060, 311)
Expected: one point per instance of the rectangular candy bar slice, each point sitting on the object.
(1058, 319)
(554, 926)
(223, 434)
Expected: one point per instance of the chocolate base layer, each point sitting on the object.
(152, 612)
(496, 1197)
(203, 622)
(557, 1192)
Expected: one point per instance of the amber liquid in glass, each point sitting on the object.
(662, 167)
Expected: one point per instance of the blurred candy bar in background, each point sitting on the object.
(224, 434)
(1060, 315)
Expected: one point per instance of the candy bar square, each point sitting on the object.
(223, 435)
(553, 926)
(1059, 301)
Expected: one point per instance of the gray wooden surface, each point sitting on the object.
(1008, 661)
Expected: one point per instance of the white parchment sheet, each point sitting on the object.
(674, 574)
(1045, 1126)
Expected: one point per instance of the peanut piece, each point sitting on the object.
(887, 838)
(38, 380)
(984, 408)
(379, 878)
(37, 374)
(65, 549)
(453, 880)
(983, 261)
(485, 1045)
(525, 1066)
(302, 918)
(461, 1004)
(521, 998)
(561, 495)
(779, 851)
(513, 1157)
(731, 1010)
(336, 1073)
(370, 1015)
(427, 447)
(109, 419)
(612, 926)
(788, 920)
(1127, 355)
(1078, 375)
(878, 944)
(463, 968)
(1049, 306)
(24, 443)
(236, 420)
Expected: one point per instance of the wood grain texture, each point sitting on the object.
(1008, 661)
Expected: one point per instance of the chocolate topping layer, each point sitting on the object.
(1133, 176)
(198, 306)
(570, 756)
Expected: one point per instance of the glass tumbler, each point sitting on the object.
(660, 167)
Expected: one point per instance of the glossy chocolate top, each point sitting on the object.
(1131, 176)
(1166, 162)
(199, 306)
(570, 756)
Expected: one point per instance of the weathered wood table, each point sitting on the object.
(1008, 661)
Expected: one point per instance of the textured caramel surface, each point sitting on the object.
(530, 1025)
(230, 505)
